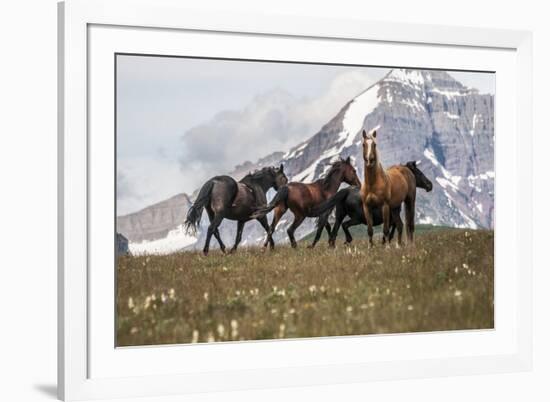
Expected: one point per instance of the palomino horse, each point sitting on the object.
(223, 197)
(302, 198)
(347, 202)
(386, 190)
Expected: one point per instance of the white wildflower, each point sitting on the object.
(221, 330)
(147, 302)
(234, 329)
(282, 328)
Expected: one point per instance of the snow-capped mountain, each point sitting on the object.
(421, 115)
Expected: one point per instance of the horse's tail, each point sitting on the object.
(324, 209)
(194, 214)
(281, 196)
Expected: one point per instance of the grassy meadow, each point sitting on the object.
(444, 282)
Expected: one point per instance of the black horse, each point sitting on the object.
(223, 197)
(348, 203)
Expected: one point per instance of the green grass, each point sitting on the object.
(360, 232)
(445, 282)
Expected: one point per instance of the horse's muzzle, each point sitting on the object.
(369, 162)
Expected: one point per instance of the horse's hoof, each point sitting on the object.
(311, 246)
(205, 253)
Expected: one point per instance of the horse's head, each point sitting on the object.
(370, 154)
(421, 180)
(349, 174)
(279, 177)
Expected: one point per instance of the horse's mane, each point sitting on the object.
(256, 175)
(325, 181)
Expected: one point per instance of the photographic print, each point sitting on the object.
(262, 200)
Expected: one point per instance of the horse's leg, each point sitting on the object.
(346, 225)
(328, 228)
(265, 225)
(392, 231)
(337, 222)
(240, 227)
(370, 223)
(212, 228)
(298, 219)
(409, 218)
(396, 223)
(277, 214)
(386, 214)
(322, 224)
(216, 232)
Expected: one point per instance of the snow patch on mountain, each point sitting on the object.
(174, 241)
(355, 115)
(413, 78)
(448, 179)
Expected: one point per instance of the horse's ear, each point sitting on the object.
(374, 133)
(281, 168)
(348, 159)
(364, 134)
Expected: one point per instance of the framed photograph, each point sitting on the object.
(253, 201)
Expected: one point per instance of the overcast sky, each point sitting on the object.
(177, 117)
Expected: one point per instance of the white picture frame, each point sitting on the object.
(80, 346)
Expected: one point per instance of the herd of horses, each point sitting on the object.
(376, 201)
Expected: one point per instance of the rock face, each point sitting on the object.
(155, 221)
(121, 245)
(421, 115)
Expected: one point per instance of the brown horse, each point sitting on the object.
(387, 190)
(302, 198)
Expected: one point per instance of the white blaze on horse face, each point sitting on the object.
(370, 150)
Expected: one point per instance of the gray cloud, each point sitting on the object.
(273, 121)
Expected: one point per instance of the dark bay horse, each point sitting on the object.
(347, 202)
(223, 197)
(302, 198)
(386, 190)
